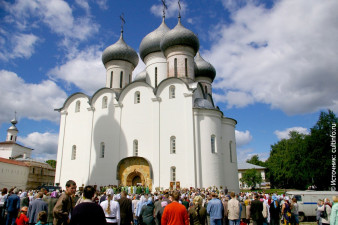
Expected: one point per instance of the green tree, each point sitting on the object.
(255, 161)
(251, 177)
(52, 162)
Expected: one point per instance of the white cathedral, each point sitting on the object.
(159, 130)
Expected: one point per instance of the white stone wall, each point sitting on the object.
(12, 150)
(12, 175)
(152, 60)
(116, 66)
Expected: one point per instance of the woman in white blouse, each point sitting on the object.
(111, 208)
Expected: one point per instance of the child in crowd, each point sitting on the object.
(22, 216)
(42, 218)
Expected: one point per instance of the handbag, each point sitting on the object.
(323, 214)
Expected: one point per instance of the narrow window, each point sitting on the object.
(135, 147)
(175, 66)
(77, 106)
(167, 69)
(155, 76)
(121, 79)
(186, 67)
(173, 145)
(102, 149)
(230, 148)
(213, 144)
(206, 89)
(111, 79)
(129, 78)
(173, 174)
(104, 102)
(73, 152)
(33, 170)
(172, 91)
(11, 137)
(137, 97)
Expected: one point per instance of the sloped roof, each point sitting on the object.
(246, 166)
(11, 161)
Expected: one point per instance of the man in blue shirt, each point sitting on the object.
(215, 210)
(13, 206)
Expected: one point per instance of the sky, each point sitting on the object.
(276, 61)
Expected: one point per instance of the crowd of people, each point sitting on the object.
(169, 207)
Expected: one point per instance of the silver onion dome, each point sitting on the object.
(203, 68)
(120, 51)
(152, 42)
(180, 35)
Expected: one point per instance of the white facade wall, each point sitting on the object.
(12, 175)
(13, 150)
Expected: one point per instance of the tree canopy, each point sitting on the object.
(251, 177)
(303, 160)
(52, 162)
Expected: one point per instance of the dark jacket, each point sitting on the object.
(34, 208)
(197, 216)
(88, 213)
(256, 210)
(62, 209)
(12, 203)
(125, 211)
(274, 211)
(147, 215)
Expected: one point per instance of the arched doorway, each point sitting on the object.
(132, 171)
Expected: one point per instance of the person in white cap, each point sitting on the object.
(111, 208)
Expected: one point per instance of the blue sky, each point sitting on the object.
(276, 61)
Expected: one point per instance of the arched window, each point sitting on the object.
(104, 102)
(73, 152)
(172, 91)
(172, 145)
(121, 79)
(135, 147)
(186, 67)
(155, 76)
(175, 66)
(111, 79)
(102, 149)
(137, 97)
(213, 143)
(173, 174)
(77, 106)
(230, 150)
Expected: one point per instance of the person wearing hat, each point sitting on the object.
(111, 208)
(13, 206)
(274, 211)
(22, 217)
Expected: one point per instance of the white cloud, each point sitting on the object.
(284, 134)
(44, 144)
(102, 4)
(34, 101)
(24, 45)
(56, 14)
(172, 10)
(84, 70)
(244, 154)
(242, 138)
(285, 56)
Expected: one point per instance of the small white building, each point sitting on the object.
(159, 128)
(243, 167)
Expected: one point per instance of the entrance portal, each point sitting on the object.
(132, 171)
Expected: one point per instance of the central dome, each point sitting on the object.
(180, 36)
(120, 51)
(152, 42)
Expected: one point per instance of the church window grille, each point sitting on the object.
(73, 152)
(135, 147)
(173, 174)
(186, 67)
(172, 91)
(137, 97)
(173, 145)
(175, 66)
(104, 102)
(230, 150)
(111, 79)
(77, 106)
(155, 76)
(102, 149)
(213, 144)
(121, 79)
